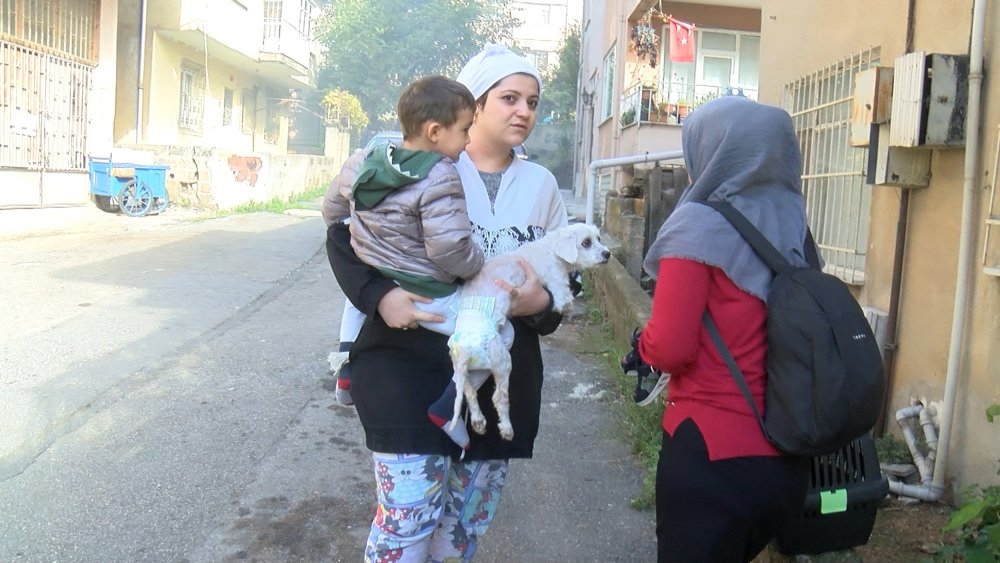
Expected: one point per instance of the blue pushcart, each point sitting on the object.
(133, 189)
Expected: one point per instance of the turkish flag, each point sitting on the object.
(681, 41)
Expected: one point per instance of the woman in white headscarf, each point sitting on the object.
(722, 490)
(433, 502)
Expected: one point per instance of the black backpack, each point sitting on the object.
(824, 369)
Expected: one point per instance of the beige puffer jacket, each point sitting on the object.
(422, 228)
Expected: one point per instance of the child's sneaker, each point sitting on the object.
(654, 392)
(645, 392)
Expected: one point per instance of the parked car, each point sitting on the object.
(394, 137)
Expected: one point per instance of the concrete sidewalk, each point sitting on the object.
(41, 221)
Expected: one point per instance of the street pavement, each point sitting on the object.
(165, 397)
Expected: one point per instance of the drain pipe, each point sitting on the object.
(139, 71)
(969, 195)
(924, 464)
(935, 490)
(925, 467)
(621, 161)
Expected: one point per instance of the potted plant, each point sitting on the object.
(644, 39)
(627, 118)
(662, 112)
(705, 99)
(682, 108)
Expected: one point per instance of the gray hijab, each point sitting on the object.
(744, 153)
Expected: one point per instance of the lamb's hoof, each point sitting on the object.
(479, 425)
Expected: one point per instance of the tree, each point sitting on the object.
(559, 95)
(557, 110)
(345, 107)
(374, 48)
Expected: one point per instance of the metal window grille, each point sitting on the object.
(305, 17)
(249, 102)
(192, 98)
(227, 107)
(67, 27)
(272, 123)
(272, 21)
(43, 109)
(837, 199)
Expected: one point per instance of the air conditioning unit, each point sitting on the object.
(929, 100)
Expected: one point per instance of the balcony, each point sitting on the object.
(284, 43)
(669, 104)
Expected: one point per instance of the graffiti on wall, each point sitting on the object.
(245, 168)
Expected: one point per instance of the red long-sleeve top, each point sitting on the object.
(701, 387)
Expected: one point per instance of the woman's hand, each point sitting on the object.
(398, 311)
(528, 299)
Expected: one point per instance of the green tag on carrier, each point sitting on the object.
(831, 502)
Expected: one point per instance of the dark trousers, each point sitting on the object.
(721, 511)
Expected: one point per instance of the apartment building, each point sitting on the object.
(899, 136)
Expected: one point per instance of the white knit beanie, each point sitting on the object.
(493, 64)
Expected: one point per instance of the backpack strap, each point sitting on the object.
(754, 238)
(734, 369)
(811, 256)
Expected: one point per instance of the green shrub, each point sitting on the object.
(977, 522)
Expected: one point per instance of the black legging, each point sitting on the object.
(721, 511)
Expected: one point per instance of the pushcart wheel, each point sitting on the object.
(135, 198)
(106, 203)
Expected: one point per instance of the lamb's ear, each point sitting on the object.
(566, 247)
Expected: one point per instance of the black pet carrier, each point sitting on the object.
(845, 491)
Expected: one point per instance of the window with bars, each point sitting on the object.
(192, 106)
(249, 101)
(305, 17)
(833, 179)
(69, 27)
(272, 122)
(272, 21)
(227, 107)
(539, 59)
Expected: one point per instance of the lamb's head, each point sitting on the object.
(579, 246)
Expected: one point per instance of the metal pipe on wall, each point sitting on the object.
(619, 161)
(965, 245)
(892, 315)
(140, 70)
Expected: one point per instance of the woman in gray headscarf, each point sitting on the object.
(722, 490)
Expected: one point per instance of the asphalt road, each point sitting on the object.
(164, 396)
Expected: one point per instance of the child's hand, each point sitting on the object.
(398, 311)
(529, 298)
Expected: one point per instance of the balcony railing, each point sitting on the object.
(281, 37)
(671, 102)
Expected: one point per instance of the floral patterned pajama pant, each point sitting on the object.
(432, 508)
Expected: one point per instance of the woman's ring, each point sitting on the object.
(406, 328)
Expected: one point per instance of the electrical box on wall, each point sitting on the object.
(872, 102)
(895, 166)
(929, 100)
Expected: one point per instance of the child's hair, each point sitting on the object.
(432, 98)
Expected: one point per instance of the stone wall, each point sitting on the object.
(634, 213)
(623, 302)
(625, 220)
(209, 178)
